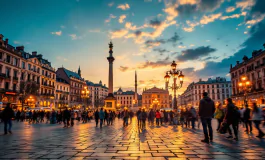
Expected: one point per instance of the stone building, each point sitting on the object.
(77, 84)
(218, 89)
(98, 92)
(156, 98)
(62, 93)
(253, 68)
(125, 99)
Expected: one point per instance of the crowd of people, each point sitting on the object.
(227, 117)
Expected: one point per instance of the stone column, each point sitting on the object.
(111, 60)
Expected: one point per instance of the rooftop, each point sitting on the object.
(72, 74)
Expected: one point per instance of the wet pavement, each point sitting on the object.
(85, 141)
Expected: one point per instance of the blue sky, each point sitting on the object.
(203, 36)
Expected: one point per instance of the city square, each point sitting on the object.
(84, 141)
(132, 79)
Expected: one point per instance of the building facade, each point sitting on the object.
(218, 90)
(254, 69)
(98, 92)
(125, 99)
(156, 98)
(62, 93)
(10, 62)
(77, 84)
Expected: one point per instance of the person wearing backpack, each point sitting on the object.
(219, 115)
(232, 118)
(246, 119)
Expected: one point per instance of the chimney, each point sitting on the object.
(6, 41)
(237, 62)
(200, 80)
(20, 48)
(34, 53)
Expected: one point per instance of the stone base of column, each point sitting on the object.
(110, 102)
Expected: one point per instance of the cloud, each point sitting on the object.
(111, 16)
(188, 29)
(230, 9)
(245, 4)
(122, 17)
(62, 26)
(256, 20)
(191, 26)
(157, 64)
(174, 38)
(130, 26)
(154, 43)
(160, 50)
(58, 33)
(16, 42)
(75, 37)
(210, 5)
(111, 4)
(233, 16)
(180, 46)
(124, 6)
(196, 53)
(254, 42)
(118, 33)
(211, 18)
(155, 23)
(123, 68)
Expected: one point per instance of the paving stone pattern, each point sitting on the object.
(85, 141)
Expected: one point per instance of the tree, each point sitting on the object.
(27, 89)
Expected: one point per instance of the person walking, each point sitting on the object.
(125, 118)
(158, 116)
(101, 117)
(232, 117)
(138, 116)
(171, 117)
(257, 117)
(161, 117)
(18, 115)
(246, 119)
(72, 117)
(66, 117)
(131, 116)
(193, 116)
(96, 114)
(151, 116)
(206, 112)
(143, 119)
(7, 116)
(219, 115)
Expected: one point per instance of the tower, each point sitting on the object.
(135, 85)
(110, 100)
(79, 71)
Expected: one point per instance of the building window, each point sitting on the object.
(8, 59)
(6, 86)
(22, 76)
(14, 87)
(7, 72)
(15, 74)
(15, 62)
(212, 86)
(1, 55)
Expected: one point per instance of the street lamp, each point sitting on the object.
(85, 94)
(155, 102)
(175, 74)
(245, 86)
(30, 100)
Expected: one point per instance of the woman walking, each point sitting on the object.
(219, 115)
(158, 116)
(257, 118)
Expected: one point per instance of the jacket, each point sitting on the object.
(151, 114)
(158, 115)
(257, 116)
(219, 114)
(8, 113)
(246, 114)
(96, 115)
(193, 112)
(66, 114)
(101, 114)
(232, 114)
(143, 116)
(206, 108)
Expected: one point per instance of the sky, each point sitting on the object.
(203, 36)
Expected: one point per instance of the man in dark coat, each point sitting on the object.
(232, 118)
(246, 118)
(66, 117)
(7, 116)
(96, 117)
(206, 112)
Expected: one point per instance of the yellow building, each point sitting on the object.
(156, 98)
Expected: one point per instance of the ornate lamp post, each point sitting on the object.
(244, 86)
(85, 94)
(30, 100)
(175, 74)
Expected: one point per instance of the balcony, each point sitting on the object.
(15, 78)
(2, 75)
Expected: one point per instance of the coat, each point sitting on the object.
(232, 114)
(96, 115)
(257, 116)
(101, 114)
(206, 108)
(8, 113)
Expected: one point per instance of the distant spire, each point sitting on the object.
(79, 71)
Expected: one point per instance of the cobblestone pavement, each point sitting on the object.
(84, 141)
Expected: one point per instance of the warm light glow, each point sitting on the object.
(247, 83)
(83, 92)
(30, 97)
(167, 77)
(240, 84)
(85, 87)
(87, 91)
(244, 78)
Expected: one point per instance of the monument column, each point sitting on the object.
(110, 100)
(111, 60)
